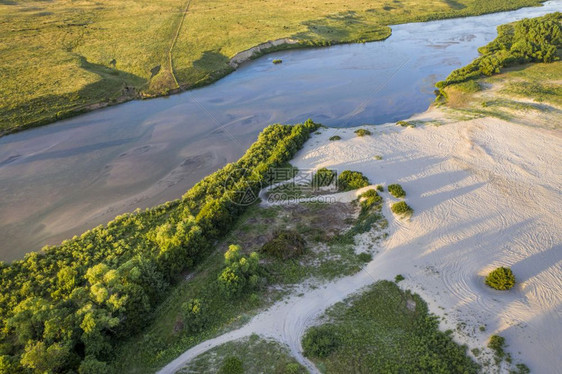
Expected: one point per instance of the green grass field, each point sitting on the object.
(384, 330)
(532, 89)
(63, 57)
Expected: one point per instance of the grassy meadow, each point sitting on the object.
(384, 330)
(518, 92)
(62, 57)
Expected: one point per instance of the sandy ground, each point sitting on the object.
(486, 193)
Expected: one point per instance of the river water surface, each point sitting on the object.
(60, 180)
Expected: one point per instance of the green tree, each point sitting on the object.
(194, 315)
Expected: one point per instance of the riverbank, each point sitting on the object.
(37, 91)
(61, 180)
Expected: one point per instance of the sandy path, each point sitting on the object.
(486, 193)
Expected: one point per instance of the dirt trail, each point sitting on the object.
(174, 41)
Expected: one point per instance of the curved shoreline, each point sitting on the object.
(233, 64)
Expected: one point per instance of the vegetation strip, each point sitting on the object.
(529, 40)
(66, 308)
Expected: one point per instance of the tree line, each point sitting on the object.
(529, 40)
(64, 309)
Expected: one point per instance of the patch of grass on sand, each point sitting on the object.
(396, 190)
(257, 355)
(405, 124)
(540, 82)
(401, 208)
(384, 329)
(362, 132)
(63, 57)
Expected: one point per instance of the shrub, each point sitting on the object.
(239, 273)
(496, 344)
(401, 208)
(292, 368)
(405, 124)
(194, 315)
(399, 278)
(362, 132)
(368, 199)
(501, 279)
(522, 369)
(365, 257)
(396, 190)
(231, 365)
(285, 244)
(320, 341)
(335, 137)
(277, 61)
(380, 188)
(323, 177)
(352, 180)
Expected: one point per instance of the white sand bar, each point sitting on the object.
(486, 193)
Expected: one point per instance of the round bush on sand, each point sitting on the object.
(501, 279)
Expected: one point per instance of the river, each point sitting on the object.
(59, 180)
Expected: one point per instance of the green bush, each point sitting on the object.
(380, 188)
(320, 341)
(501, 279)
(323, 177)
(285, 244)
(496, 344)
(362, 132)
(398, 278)
(335, 137)
(396, 190)
(405, 124)
(401, 208)
(240, 272)
(293, 368)
(521, 369)
(365, 257)
(194, 315)
(352, 180)
(368, 199)
(231, 365)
